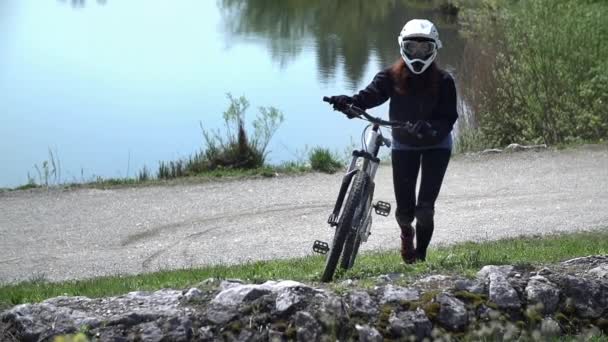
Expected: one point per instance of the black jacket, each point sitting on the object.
(440, 112)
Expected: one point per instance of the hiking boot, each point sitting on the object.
(408, 252)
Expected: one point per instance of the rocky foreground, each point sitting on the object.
(502, 303)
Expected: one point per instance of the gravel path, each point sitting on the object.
(85, 233)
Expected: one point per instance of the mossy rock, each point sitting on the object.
(471, 298)
(533, 316)
(432, 310)
(291, 332)
(602, 323)
(235, 327)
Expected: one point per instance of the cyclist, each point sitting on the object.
(421, 93)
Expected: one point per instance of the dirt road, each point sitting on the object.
(85, 233)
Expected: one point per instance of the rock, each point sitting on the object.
(470, 286)
(235, 295)
(589, 261)
(178, 329)
(276, 336)
(290, 297)
(347, 283)
(250, 312)
(368, 334)
(219, 314)
(491, 151)
(226, 284)
(541, 292)
(245, 335)
(192, 295)
(205, 333)
(589, 298)
(518, 147)
(499, 289)
(408, 324)
(65, 315)
(307, 327)
(550, 328)
(388, 278)
(275, 286)
(453, 313)
(600, 272)
(399, 294)
(40, 322)
(435, 282)
(334, 306)
(150, 332)
(484, 273)
(384, 278)
(362, 304)
(209, 283)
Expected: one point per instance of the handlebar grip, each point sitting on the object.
(326, 99)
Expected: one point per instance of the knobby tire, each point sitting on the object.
(344, 225)
(353, 240)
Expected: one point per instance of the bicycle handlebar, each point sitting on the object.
(352, 110)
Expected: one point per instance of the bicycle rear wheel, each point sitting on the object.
(344, 227)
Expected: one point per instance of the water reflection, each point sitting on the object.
(82, 3)
(348, 33)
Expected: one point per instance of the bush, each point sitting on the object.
(542, 72)
(469, 140)
(232, 149)
(321, 159)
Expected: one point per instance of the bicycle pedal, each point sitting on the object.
(382, 208)
(320, 247)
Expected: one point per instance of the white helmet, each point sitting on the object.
(418, 43)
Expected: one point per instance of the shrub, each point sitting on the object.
(232, 149)
(539, 74)
(321, 159)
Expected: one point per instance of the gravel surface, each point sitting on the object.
(84, 233)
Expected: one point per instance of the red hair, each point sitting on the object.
(406, 82)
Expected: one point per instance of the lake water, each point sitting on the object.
(111, 86)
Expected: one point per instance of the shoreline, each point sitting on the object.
(288, 169)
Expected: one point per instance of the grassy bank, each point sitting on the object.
(463, 258)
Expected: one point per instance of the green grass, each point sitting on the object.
(323, 160)
(289, 168)
(464, 258)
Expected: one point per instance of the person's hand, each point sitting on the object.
(340, 102)
(421, 128)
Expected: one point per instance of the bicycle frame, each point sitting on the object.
(374, 140)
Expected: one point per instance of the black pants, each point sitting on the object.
(432, 165)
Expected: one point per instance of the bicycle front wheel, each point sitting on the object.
(353, 240)
(354, 200)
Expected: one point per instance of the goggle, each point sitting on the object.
(418, 49)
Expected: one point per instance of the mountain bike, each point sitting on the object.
(352, 219)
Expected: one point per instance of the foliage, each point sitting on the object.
(470, 140)
(321, 159)
(143, 175)
(542, 73)
(232, 149)
(49, 173)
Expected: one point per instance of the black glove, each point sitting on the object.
(423, 128)
(340, 102)
(419, 134)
